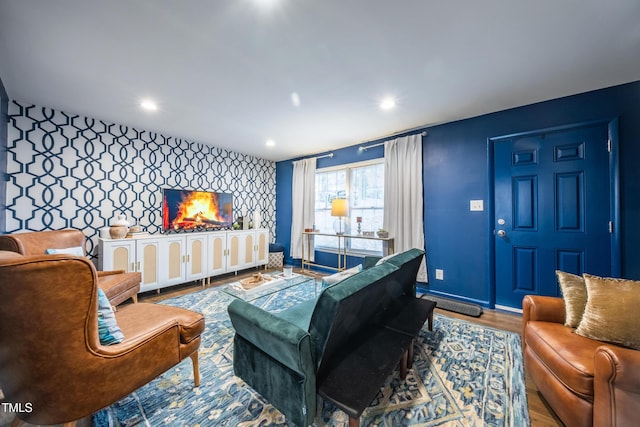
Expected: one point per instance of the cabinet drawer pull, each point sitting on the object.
(133, 266)
(138, 266)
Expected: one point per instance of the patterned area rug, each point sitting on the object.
(463, 375)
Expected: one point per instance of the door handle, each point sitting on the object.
(502, 233)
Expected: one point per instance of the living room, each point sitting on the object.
(66, 167)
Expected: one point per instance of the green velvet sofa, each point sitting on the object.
(285, 356)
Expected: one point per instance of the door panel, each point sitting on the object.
(552, 201)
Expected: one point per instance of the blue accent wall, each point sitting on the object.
(455, 170)
(284, 172)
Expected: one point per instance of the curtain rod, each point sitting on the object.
(316, 157)
(366, 147)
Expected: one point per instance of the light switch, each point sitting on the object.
(476, 205)
(439, 274)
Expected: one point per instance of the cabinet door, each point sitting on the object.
(174, 255)
(118, 255)
(216, 253)
(196, 262)
(249, 250)
(148, 263)
(262, 246)
(240, 250)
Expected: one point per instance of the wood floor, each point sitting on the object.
(539, 412)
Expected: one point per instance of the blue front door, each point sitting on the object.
(552, 201)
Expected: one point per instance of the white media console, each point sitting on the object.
(170, 259)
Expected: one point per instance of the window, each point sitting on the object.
(362, 184)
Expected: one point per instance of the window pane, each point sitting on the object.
(367, 186)
(324, 223)
(366, 200)
(329, 185)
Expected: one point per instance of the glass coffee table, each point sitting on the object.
(277, 283)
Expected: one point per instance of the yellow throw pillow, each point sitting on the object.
(612, 313)
(574, 293)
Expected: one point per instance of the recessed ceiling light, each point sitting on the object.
(149, 105)
(265, 3)
(270, 143)
(387, 103)
(295, 99)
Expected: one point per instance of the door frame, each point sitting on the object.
(614, 195)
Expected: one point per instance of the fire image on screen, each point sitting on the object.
(188, 209)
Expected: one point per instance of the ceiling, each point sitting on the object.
(224, 72)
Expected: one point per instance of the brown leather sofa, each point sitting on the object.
(118, 285)
(586, 382)
(51, 358)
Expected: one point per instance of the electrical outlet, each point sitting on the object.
(439, 274)
(476, 205)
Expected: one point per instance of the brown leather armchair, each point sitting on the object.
(586, 382)
(50, 354)
(116, 284)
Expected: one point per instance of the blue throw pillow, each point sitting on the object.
(339, 277)
(76, 250)
(108, 330)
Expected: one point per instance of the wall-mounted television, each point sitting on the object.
(195, 210)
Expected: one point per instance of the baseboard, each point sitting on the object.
(466, 308)
(509, 309)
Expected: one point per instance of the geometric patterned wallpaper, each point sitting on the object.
(70, 171)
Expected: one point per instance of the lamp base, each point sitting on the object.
(340, 226)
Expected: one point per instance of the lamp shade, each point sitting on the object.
(339, 207)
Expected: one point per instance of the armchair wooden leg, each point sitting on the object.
(354, 422)
(403, 364)
(410, 356)
(196, 368)
(135, 298)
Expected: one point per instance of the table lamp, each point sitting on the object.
(339, 209)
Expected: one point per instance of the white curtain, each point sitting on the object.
(303, 197)
(403, 205)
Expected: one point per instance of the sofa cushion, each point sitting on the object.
(574, 294)
(108, 330)
(135, 319)
(408, 275)
(299, 314)
(611, 313)
(337, 303)
(10, 255)
(567, 355)
(119, 286)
